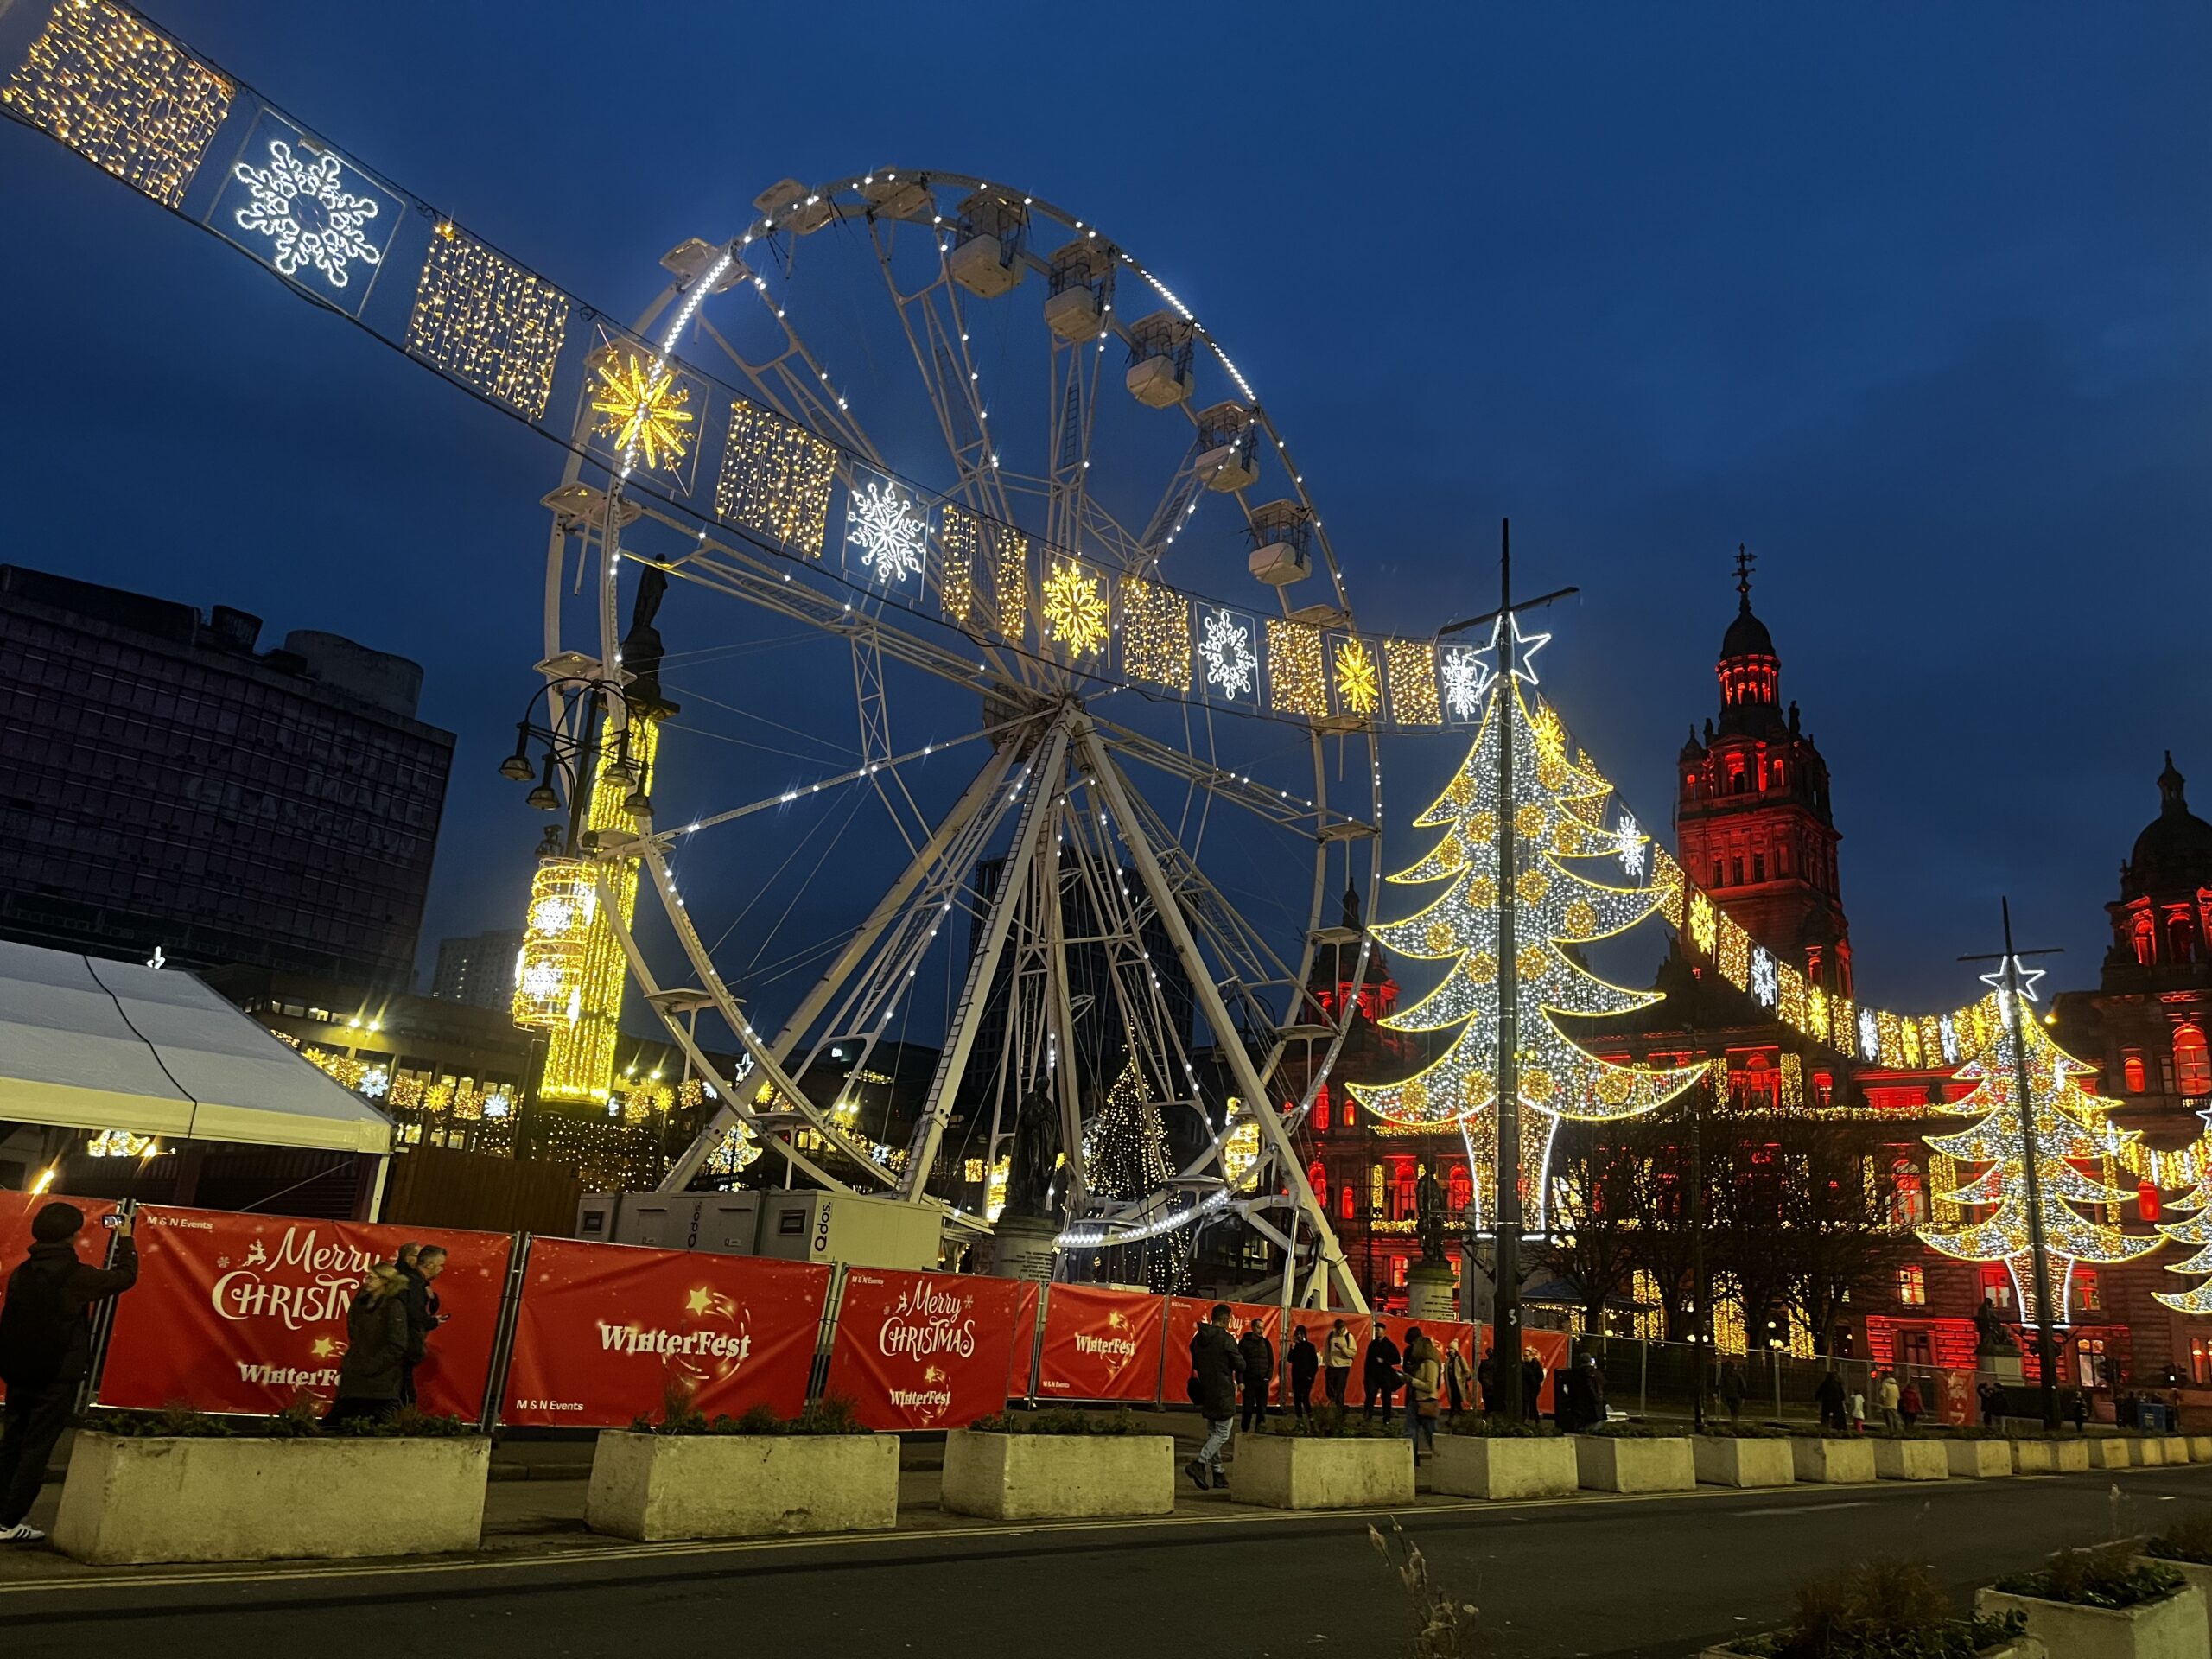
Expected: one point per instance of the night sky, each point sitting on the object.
(1912, 299)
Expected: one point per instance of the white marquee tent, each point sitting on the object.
(88, 1044)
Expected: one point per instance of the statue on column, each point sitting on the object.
(1430, 1216)
(1035, 1157)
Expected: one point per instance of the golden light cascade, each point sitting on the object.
(1296, 679)
(490, 324)
(776, 479)
(1156, 633)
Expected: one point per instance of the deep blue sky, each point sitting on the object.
(1916, 300)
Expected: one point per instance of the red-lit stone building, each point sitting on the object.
(1755, 827)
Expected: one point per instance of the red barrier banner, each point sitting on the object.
(605, 1331)
(1100, 1345)
(17, 1210)
(1021, 1380)
(1954, 1400)
(247, 1312)
(924, 1350)
(1187, 1314)
(1551, 1347)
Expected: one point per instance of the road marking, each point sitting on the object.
(1813, 1508)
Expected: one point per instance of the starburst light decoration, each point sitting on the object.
(1359, 678)
(1464, 674)
(893, 538)
(1072, 608)
(1557, 805)
(640, 407)
(301, 204)
(1231, 665)
(2063, 1113)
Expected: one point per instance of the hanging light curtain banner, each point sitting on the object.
(17, 1210)
(924, 1349)
(247, 1313)
(1100, 1345)
(606, 1332)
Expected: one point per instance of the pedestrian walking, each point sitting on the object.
(2081, 1411)
(1486, 1381)
(1532, 1384)
(378, 1339)
(421, 1264)
(1888, 1396)
(1304, 1363)
(1344, 1352)
(1732, 1390)
(1593, 1390)
(1381, 1371)
(1258, 1355)
(1216, 1369)
(46, 1346)
(1832, 1400)
(1910, 1404)
(1424, 1379)
(1459, 1381)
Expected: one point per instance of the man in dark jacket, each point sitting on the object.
(1305, 1364)
(1830, 1396)
(421, 1264)
(1216, 1369)
(1380, 1368)
(1259, 1356)
(46, 1347)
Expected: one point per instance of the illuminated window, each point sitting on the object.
(1320, 1110)
(2131, 1076)
(1348, 1119)
(1779, 775)
(2147, 940)
(2088, 1296)
(2192, 1062)
(1398, 1272)
(1318, 1178)
(1823, 1087)
(2148, 1203)
(1912, 1286)
(1907, 1196)
(1758, 867)
(1403, 1177)
(2090, 1367)
(1346, 1199)
(1460, 1189)
(2180, 939)
(1996, 1286)
(2200, 1360)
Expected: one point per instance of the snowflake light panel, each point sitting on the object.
(1231, 664)
(1072, 610)
(891, 532)
(307, 214)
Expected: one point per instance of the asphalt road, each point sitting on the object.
(1609, 1578)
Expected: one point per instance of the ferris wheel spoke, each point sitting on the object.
(1277, 806)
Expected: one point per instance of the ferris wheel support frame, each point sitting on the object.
(1112, 785)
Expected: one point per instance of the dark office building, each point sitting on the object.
(478, 970)
(164, 783)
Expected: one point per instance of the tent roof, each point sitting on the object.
(89, 1044)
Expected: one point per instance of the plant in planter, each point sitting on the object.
(2105, 1600)
(181, 1485)
(689, 1475)
(1479, 1456)
(2186, 1546)
(1028, 1464)
(1885, 1610)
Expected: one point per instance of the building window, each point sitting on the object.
(1345, 1200)
(1996, 1286)
(1321, 1111)
(2180, 939)
(2089, 1367)
(1735, 871)
(1719, 873)
(1912, 1286)
(1907, 1195)
(1348, 1112)
(2200, 1360)
(1823, 1087)
(1460, 1189)
(2148, 1203)
(1781, 861)
(1403, 1180)
(2089, 1295)
(1758, 867)
(2147, 940)
(2131, 1076)
(1318, 1178)
(1398, 1272)
(2192, 1062)
(1779, 775)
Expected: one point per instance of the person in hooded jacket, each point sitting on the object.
(1259, 1356)
(379, 1346)
(46, 1347)
(1381, 1371)
(1216, 1370)
(1305, 1364)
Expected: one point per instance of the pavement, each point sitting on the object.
(1593, 1577)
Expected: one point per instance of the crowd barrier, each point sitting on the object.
(243, 1313)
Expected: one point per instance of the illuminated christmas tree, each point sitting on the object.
(2064, 1116)
(2192, 1230)
(1128, 1159)
(1558, 809)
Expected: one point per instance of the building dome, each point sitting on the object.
(2174, 853)
(1747, 636)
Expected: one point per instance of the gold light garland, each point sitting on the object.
(1411, 665)
(1156, 633)
(1009, 579)
(549, 973)
(487, 322)
(1294, 677)
(127, 99)
(960, 542)
(776, 479)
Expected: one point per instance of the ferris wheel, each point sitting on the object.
(1054, 525)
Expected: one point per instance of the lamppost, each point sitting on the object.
(570, 735)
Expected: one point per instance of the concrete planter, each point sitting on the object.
(1296, 1472)
(2111, 1452)
(2149, 1451)
(2195, 1573)
(1620, 1463)
(2200, 1447)
(2026, 1647)
(1725, 1461)
(2050, 1457)
(656, 1486)
(1479, 1465)
(1831, 1462)
(133, 1500)
(2176, 1447)
(1024, 1476)
(1910, 1460)
(1977, 1460)
(2170, 1628)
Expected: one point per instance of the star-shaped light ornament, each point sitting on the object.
(2006, 971)
(1517, 655)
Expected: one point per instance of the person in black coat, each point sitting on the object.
(1829, 1396)
(1216, 1370)
(46, 1347)
(1380, 1367)
(1259, 1356)
(419, 1266)
(1532, 1385)
(378, 1343)
(1304, 1366)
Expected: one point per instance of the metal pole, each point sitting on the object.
(1701, 1286)
(2038, 1250)
(1506, 1347)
